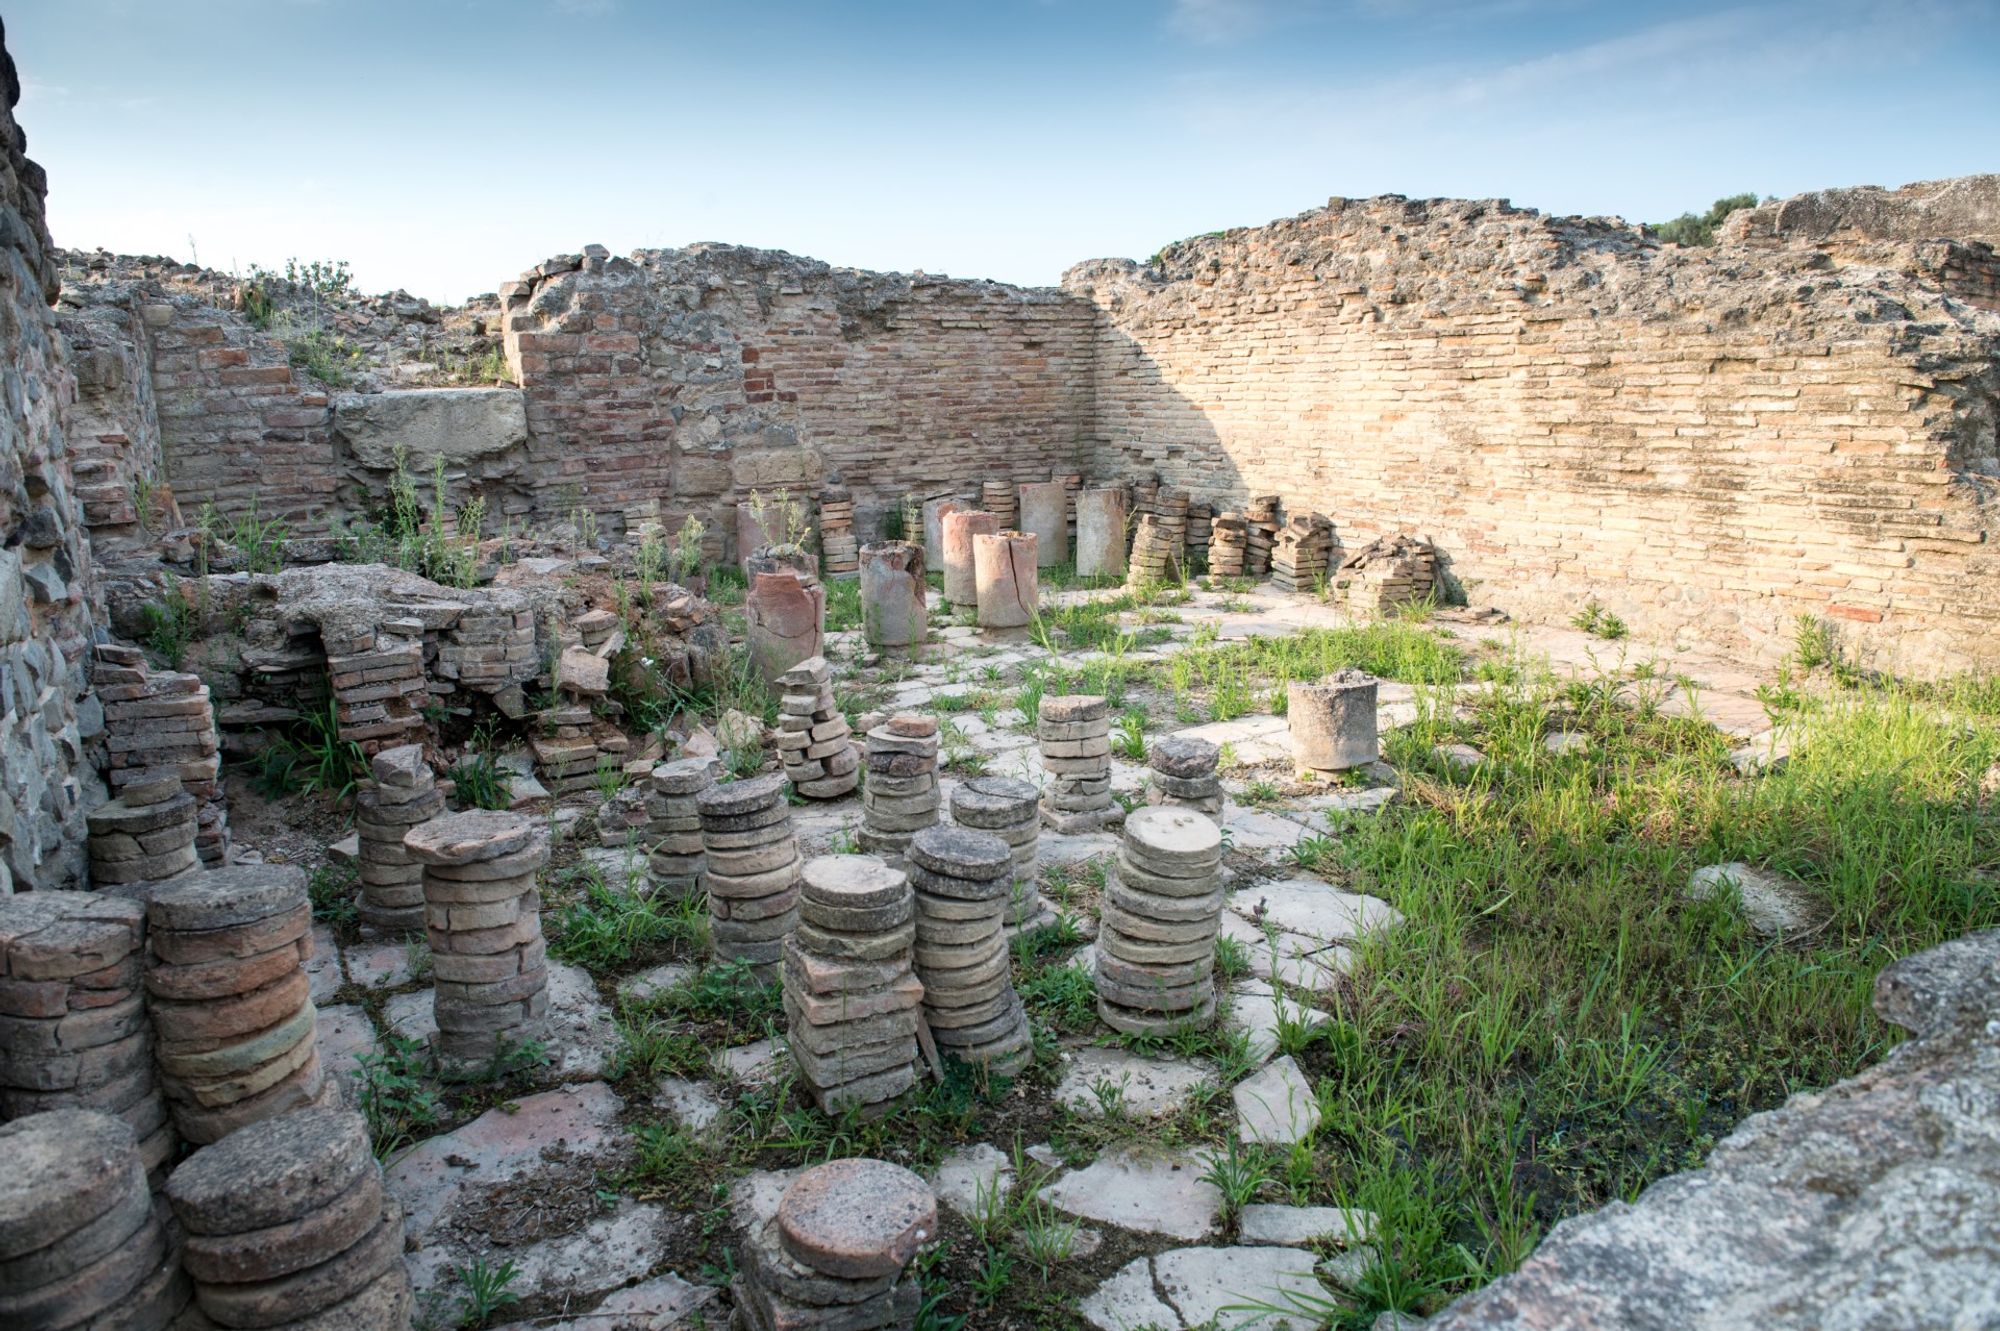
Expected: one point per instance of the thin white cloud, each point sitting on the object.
(1213, 22)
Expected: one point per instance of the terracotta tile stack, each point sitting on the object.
(1263, 514)
(1183, 774)
(1075, 735)
(490, 643)
(1006, 807)
(963, 880)
(404, 793)
(834, 1254)
(1155, 557)
(1072, 484)
(160, 723)
(1200, 533)
(900, 797)
(1172, 509)
(73, 1028)
(1162, 911)
(1003, 501)
(1303, 550)
(288, 1224)
(234, 1029)
(81, 1247)
(1388, 573)
(813, 737)
(672, 834)
(852, 999)
(753, 871)
(567, 753)
(377, 678)
(484, 915)
(1146, 497)
(1228, 544)
(840, 553)
(146, 835)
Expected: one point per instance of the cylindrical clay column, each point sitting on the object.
(893, 614)
(1333, 721)
(1045, 514)
(935, 511)
(1009, 588)
(1100, 533)
(784, 621)
(961, 586)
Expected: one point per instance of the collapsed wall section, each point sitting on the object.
(1708, 442)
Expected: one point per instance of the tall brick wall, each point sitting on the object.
(1707, 442)
(45, 577)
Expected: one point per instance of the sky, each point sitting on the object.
(442, 146)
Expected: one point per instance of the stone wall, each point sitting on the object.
(1708, 442)
(45, 605)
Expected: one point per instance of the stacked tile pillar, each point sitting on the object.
(963, 881)
(900, 797)
(814, 741)
(1155, 557)
(672, 832)
(147, 835)
(403, 794)
(1006, 807)
(1003, 501)
(1183, 773)
(1162, 912)
(483, 910)
(834, 1254)
(753, 872)
(849, 991)
(1075, 735)
(160, 724)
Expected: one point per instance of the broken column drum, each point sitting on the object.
(1183, 774)
(484, 912)
(813, 741)
(849, 992)
(753, 872)
(1332, 721)
(961, 583)
(893, 612)
(81, 1245)
(288, 1224)
(235, 1033)
(964, 880)
(1045, 516)
(1006, 807)
(1075, 735)
(785, 621)
(672, 832)
(146, 835)
(834, 1254)
(1162, 912)
(900, 797)
(73, 1027)
(1100, 533)
(1008, 589)
(403, 794)
(935, 511)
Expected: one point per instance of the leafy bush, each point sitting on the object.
(1688, 229)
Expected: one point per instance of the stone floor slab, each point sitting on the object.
(1144, 1192)
(1276, 1106)
(974, 1178)
(1137, 1085)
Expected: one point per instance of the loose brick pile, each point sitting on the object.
(402, 794)
(839, 551)
(1387, 573)
(849, 991)
(1229, 545)
(1302, 553)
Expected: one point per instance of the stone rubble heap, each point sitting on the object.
(1006, 807)
(1262, 512)
(1228, 545)
(160, 723)
(1075, 735)
(145, 836)
(850, 994)
(672, 832)
(1162, 911)
(289, 1225)
(839, 553)
(833, 1257)
(1387, 573)
(963, 880)
(567, 752)
(81, 1246)
(73, 1028)
(1302, 553)
(1183, 774)
(403, 794)
(753, 871)
(1001, 500)
(814, 741)
(900, 797)
(483, 910)
(1155, 557)
(234, 1028)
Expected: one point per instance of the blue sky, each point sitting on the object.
(444, 145)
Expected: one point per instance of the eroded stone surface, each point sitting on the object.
(1144, 1192)
(1105, 1080)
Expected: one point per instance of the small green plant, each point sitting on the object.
(1813, 643)
(396, 1098)
(685, 561)
(324, 356)
(486, 1291)
(782, 518)
(1130, 740)
(170, 625)
(1238, 1175)
(1594, 619)
(1232, 957)
(330, 888)
(480, 782)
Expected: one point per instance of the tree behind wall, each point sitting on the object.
(1688, 229)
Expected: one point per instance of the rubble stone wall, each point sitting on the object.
(46, 616)
(1707, 442)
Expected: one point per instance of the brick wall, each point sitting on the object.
(1707, 442)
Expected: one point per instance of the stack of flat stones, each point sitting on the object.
(1183, 775)
(813, 739)
(752, 859)
(852, 998)
(1302, 552)
(900, 798)
(289, 1227)
(404, 794)
(672, 831)
(1155, 554)
(1075, 735)
(1162, 911)
(81, 1247)
(839, 552)
(144, 836)
(377, 677)
(963, 880)
(1228, 544)
(73, 1028)
(1200, 531)
(234, 1029)
(1006, 807)
(160, 723)
(566, 757)
(1261, 536)
(483, 911)
(833, 1257)
(1003, 501)
(1172, 506)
